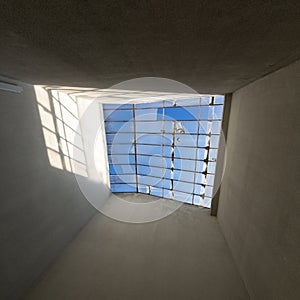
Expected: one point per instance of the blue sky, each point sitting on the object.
(170, 150)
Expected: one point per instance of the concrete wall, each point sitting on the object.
(41, 207)
(94, 139)
(181, 257)
(259, 201)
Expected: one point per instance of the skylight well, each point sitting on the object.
(166, 149)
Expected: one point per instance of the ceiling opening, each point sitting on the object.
(161, 144)
(166, 149)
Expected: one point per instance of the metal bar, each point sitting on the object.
(155, 107)
(178, 158)
(160, 187)
(163, 148)
(203, 120)
(167, 168)
(197, 140)
(135, 152)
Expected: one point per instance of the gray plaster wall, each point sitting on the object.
(183, 256)
(214, 46)
(41, 208)
(259, 200)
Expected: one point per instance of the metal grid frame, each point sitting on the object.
(207, 161)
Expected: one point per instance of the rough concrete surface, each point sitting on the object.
(259, 204)
(183, 256)
(213, 46)
(41, 208)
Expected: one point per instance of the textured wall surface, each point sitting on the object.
(183, 256)
(212, 46)
(41, 208)
(259, 202)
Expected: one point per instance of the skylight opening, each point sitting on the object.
(166, 149)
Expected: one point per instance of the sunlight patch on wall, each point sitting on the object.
(61, 129)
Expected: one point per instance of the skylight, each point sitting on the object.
(166, 149)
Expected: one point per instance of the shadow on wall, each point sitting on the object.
(41, 208)
(61, 129)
